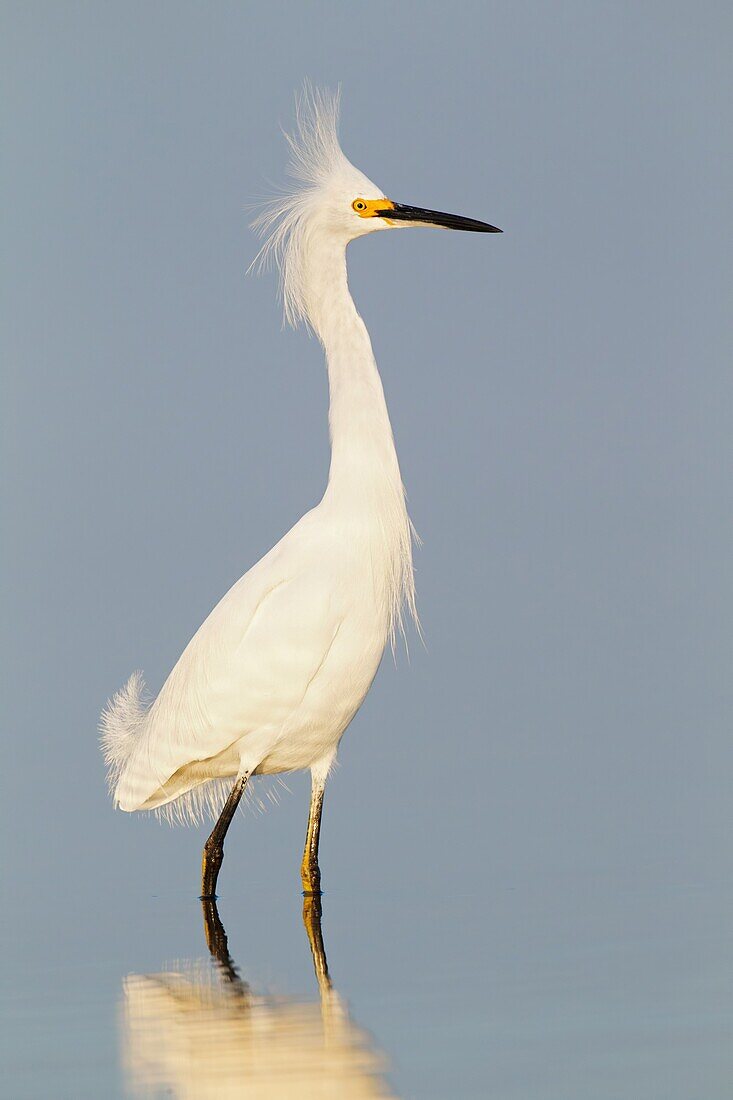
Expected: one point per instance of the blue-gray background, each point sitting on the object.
(527, 846)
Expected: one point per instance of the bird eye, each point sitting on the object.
(358, 205)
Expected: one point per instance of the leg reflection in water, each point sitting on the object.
(202, 1032)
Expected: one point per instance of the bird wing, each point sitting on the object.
(245, 670)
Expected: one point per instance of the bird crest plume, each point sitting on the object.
(286, 222)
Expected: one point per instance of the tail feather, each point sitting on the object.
(121, 726)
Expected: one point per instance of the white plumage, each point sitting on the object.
(272, 678)
(274, 675)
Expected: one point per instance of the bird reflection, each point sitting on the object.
(201, 1032)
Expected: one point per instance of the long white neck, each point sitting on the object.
(364, 481)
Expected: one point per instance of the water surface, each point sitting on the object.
(572, 987)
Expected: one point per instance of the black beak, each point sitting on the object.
(400, 213)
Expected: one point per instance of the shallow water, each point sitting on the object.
(574, 986)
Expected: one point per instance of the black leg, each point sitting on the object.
(214, 846)
(216, 941)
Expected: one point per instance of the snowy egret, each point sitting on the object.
(277, 671)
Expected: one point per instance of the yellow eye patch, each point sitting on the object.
(370, 208)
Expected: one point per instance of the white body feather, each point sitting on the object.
(274, 675)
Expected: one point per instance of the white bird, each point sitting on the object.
(276, 673)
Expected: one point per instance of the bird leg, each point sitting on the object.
(214, 846)
(216, 941)
(312, 922)
(310, 873)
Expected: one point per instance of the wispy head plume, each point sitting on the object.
(314, 146)
(316, 158)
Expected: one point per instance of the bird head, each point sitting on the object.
(332, 204)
